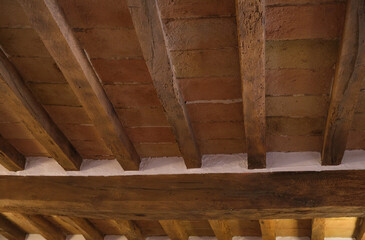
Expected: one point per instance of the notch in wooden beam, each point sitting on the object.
(174, 229)
(35, 117)
(48, 20)
(150, 32)
(221, 229)
(251, 42)
(318, 228)
(268, 229)
(10, 230)
(350, 74)
(128, 228)
(10, 158)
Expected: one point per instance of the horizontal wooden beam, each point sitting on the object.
(10, 230)
(296, 195)
(10, 158)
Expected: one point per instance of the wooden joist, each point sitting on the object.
(47, 19)
(10, 158)
(350, 73)
(129, 229)
(174, 229)
(44, 227)
(150, 32)
(10, 230)
(318, 228)
(251, 42)
(35, 117)
(297, 195)
(221, 229)
(268, 229)
(360, 234)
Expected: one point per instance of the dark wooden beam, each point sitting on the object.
(268, 229)
(81, 225)
(174, 229)
(35, 117)
(350, 73)
(10, 158)
(251, 42)
(10, 230)
(47, 19)
(129, 229)
(360, 233)
(45, 228)
(149, 28)
(296, 195)
(318, 228)
(221, 229)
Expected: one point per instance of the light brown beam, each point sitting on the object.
(10, 230)
(150, 32)
(268, 229)
(45, 228)
(81, 225)
(350, 73)
(35, 117)
(318, 228)
(48, 20)
(251, 42)
(221, 229)
(360, 234)
(10, 158)
(128, 228)
(174, 229)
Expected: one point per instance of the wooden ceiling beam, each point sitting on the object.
(10, 230)
(268, 229)
(318, 229)
(35, 117)
(48, 20)
(189, 196)
(129, 229)
(251, 42)
(150, 32)
(221, 229)
(10, 158)
(174, 229)
(45, 228)
(350, 73)
(82, 225)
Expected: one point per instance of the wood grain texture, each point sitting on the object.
(318, 229)
(350, 73)
(148, 25)
(35, 117)
(297, 195)
(83, 226)
(10, 230)
(251, 41)
(47, 19)
(44, 227)
(128, 228)
(268, 229)
(360, 234)
(174, 229)
(221, 229)
(10, 158)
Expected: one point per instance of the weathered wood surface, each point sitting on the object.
(44, 227)
(318, 229)
(174, 229)
(360, 234)
(10, 158)
(129, 229)
(296, 195)
(251, 42)
(350, 74)
(10, 230)
(47, 19)
(82, 225)
(148, 25)
(268, 229)
(35, 117)
(221, 229)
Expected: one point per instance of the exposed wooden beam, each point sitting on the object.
(129, 229)
(221, 229)
(10, 230)
(81, 225)
(251, 42)
(45, 228)
(35, 117)
(360, 234)
(174, 229)
(47, 19)
(268, 229)
(10, 158)
(350, 73)
(190, 196)
(149, 28)
(318, 228)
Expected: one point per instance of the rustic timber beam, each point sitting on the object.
(35, 117)
(296, 195)
(268, 229)
(47, 19)
(318, 228)
(350, 73)
(10, 158)
(174, 229)
(221, 229)
(45, 228)
(10, 230)
(82, 225)
(360, 234)
(251, 42)
(150, 32)
(129, 229)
